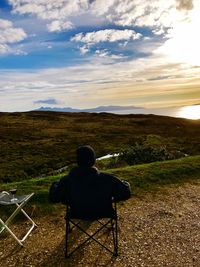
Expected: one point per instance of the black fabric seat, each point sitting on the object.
(89, 216)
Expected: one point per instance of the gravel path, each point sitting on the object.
(156, 230)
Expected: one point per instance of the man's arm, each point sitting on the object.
(58, 192)
(121, 189)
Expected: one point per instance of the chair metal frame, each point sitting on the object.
(20, 202)
(110, 221)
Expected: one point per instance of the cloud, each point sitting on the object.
(49, 101)
(184, 4)
(61, 14)
(104, 53)
(58, 26)
(158, 78)
(9, 35)
(4, 49)
(108, 35)
(84, 49)
(100, 83)
(4, 24)
(50, 9)
(153, 14)
(160, 17)
(56, 13)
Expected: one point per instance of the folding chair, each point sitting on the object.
(7, 198)
(110, 224)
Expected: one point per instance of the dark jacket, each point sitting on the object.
(89, 192)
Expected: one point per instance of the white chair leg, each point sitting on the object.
(11, 232)
(18, 209)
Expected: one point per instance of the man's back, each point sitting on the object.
(90, 193)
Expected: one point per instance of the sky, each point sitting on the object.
(89, 53)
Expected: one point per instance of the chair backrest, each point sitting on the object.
(91, 197)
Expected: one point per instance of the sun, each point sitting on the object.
(182, 45)
(190, 112)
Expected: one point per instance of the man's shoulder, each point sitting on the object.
(107, 175)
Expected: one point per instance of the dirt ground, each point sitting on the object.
(156, 230)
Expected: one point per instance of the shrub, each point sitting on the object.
(144, 153)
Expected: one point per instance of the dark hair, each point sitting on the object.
(86, 156)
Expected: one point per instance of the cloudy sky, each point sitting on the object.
(87, 53)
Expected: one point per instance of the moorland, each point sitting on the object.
(160, 221)
(37, 143)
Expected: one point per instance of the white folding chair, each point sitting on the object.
(7, 198)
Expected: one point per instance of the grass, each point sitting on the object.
(143, 178)
(35, 143)
(148, 177)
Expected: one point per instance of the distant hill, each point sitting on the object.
(38, 142)
(97, 109)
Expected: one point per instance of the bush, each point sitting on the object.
(143, 153)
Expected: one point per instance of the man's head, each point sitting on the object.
(86, 156)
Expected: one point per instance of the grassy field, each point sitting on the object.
(143, 178)
(36, 143)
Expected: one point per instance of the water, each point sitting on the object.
(108, 156)
(188, 112)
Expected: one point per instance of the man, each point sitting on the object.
(87, 191)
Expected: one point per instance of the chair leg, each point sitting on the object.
(114, 229)
(11, 232)
(90, 236)
(66, 237)
(115, 236)
(9, 220)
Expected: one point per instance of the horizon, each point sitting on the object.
(185, 112)
(85, 53)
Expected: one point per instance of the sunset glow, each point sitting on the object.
(184, 42)
(190, 112)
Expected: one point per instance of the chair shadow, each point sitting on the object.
(14, 250)
(98, 260)
(57, 257)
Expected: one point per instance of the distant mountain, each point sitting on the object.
(97, 109)
(111, 108)
(67, 109)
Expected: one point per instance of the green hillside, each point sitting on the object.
(35, 143)
(143, 178)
